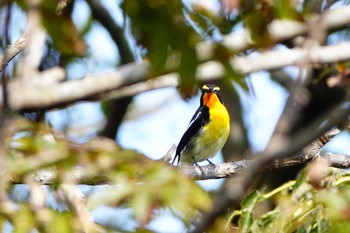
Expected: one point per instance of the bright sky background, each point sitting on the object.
(158, 119)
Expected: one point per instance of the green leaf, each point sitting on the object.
(62, 30)
(60, 222)
(286, 9)
(162, 28)
(141, 204)
(247, 207)
(23, 220)
(266, 219)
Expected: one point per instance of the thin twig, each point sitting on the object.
(6, 41)
(101, 14)
(13, 50)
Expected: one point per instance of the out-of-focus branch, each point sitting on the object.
(164, 81)
(279, 30)
(289, 57)
(77, 176)
(75, 199)
(118, 106)
(38, 96)
(36, 36)
(117, 33)
(13, 50)
(6, 42)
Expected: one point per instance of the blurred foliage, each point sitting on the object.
(168, 32)
(300, 205)
(162, 28)
(317, 202)
(64, 35)
(141, 184)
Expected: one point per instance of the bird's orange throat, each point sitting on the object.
(211, 99)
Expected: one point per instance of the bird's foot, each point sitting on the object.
(200, 168)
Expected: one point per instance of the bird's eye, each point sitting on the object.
(216, 89)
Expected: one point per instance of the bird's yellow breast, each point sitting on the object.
(219, 119)
(218, 128)
(214, 134)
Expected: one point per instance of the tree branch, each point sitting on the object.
(13, 50)
(40, 96)
(232, 169)
(117, 33)
(119, 106)
(37, 96)
(211, 171)
(279, 30)
(291, 57)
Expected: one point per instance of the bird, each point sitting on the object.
(207, 131)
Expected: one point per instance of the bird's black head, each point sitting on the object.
(210, 88)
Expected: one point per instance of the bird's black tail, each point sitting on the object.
(177, 156)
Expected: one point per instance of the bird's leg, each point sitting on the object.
(195, 163)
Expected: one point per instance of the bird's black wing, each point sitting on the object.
(200, 118)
